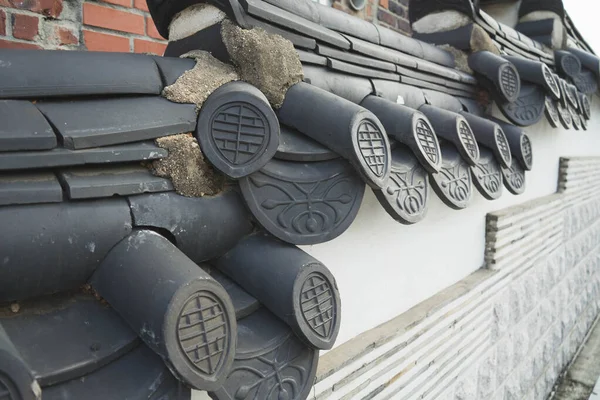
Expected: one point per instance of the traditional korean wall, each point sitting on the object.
(504, 332)
(384, 268)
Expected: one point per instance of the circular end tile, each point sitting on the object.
(527, 152)
(470, 148)
(502, 145)
(570, 65)
(528, 109)
(586, 106)
(509, 82)
(317, 307)
(430, 153)
(571, 96)
(584, 123)
(586, 82)
(453, 184)
(575, 118)
(372, 150)
(200, 334)
(237, 129)
(551, 82)
(552, 113)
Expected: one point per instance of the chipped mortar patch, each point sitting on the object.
(194, 19)
(185, 165)
(480, 40)
(441, 21)
(195, 85)
(461, 58)
(265, 60)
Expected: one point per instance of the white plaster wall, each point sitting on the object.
(384, 268)
(507, 14)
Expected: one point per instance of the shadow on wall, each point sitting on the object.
(378, 261)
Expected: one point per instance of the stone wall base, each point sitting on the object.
(505, 332)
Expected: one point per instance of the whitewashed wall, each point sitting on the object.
(384, 268)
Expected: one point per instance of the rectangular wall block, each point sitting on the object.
(507, 331)
(95, 25)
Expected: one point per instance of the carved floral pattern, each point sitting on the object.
(270, 367)
(565, 117)
(456, 182)
(549, 77)
(552, 113)
(427, 141)
(279, 374)
(585, 82)
(528, 108)
(487, 177)
(503, 145)
(510, 81)
(527, 151)
(468, 139)
(300, 208)
(514, 178)
(409, 190)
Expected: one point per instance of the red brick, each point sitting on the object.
(146, 46)
(49, 8)
(151, 29)
(398, 9)
(384, 3)
(65, 36)
(2, 23)
(25, 27)
(110, 18)
(386, 17)
(5, 44)
(404, 26)
(96, 41)
(124, 3)
(141, 5)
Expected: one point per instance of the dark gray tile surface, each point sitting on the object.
(93, 123)
(89, 183)
(23, 127)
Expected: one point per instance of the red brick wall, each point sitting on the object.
(108, 25)
(390, 13)
(125, 25)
